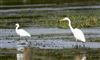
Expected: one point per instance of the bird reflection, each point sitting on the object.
(80, 57)
(83, 57)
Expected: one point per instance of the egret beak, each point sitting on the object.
(61, 20)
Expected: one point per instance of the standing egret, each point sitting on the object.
(21, 32)
(78, 34)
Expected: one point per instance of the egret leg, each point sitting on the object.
(83, 44)
(29, 43)
(19, 38)
(76, 44)
(26, 39)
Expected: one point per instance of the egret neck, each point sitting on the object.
(70, 26)
(17, 27)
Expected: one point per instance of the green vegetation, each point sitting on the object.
(79, 18)
(18, 2)
(7, 54)
(8, 57)
(64, 54)
(97, 39)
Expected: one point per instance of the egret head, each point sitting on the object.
(17, 24)
(64, 19)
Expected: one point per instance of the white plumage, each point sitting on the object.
(78, 34)
(21, 32)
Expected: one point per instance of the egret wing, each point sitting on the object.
(79, 34)
(23, 32)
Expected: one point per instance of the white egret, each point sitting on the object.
(21, 32)
(78, 34)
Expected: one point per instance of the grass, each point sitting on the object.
(8, 57)
(97, 39)
(7, 54)
(63, 54)
(47, 19)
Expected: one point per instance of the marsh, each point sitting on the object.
(51, 39)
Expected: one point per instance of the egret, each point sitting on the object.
(21, 32)
(78, 34)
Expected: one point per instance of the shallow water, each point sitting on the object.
(50, 44)
(39, 31)
(43, 39)
(51, 38)
(59, 54)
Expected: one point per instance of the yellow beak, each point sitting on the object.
(61, 20)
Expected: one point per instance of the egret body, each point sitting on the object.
(22, 32)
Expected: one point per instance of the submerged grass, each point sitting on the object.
(94, 39)
(61, 54)
(7, 54)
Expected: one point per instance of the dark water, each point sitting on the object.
(62, 54)
(72, 2)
